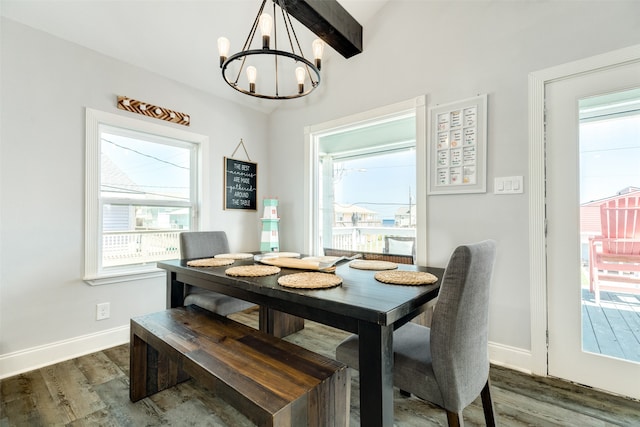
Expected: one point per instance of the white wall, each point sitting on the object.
(46, 310)
(456, 50)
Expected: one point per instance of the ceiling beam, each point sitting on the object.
(329, 21)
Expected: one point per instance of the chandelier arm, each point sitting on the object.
(275, 27)
(287, 18)
(249, 40)
(275, 45)
(244, 58)
(254, 27)
(287, 23)
(275, 59)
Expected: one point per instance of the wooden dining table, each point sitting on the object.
(360, 305)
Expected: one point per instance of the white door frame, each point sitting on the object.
(537, 218)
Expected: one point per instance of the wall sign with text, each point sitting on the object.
(240, 184)
(458, 147)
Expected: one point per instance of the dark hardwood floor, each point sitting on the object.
(93, 390)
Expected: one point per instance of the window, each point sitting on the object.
(370, 191)
(609, 159)
(142, 191)
(364, 185)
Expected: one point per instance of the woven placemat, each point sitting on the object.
(373, 265)
(310, 280)
(238, 255)
(209, 262)
(405, 277)
(252, 270)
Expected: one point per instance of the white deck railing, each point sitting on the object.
(367, 239)
(126, 247)
(123, 248)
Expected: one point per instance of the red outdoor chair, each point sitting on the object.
(614, 257)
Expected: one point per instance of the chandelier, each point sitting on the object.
(266, 71)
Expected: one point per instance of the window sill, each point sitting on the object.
(108, 279)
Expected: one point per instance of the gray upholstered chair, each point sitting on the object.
(205, 244)
(447, 364)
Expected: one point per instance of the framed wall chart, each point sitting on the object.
(457, 155)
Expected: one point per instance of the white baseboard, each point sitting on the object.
(510, 357)
(36, 357)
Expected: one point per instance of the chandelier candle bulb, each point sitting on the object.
(300, 78)
(223, 49)
(252, 73)
(318, 50)
(266, 24)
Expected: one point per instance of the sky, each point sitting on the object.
(609, 157)
(381, 183)
(155, 168)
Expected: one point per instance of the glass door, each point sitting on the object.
(609, 145)
(592, 192)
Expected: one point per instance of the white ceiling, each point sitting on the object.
(173, 38)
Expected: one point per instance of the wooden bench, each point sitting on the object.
(271, 381)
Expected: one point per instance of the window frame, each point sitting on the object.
(312, 173)
(94, 273)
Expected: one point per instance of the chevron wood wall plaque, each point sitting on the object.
(154, 111)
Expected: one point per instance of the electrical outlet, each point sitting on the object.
(102, 311)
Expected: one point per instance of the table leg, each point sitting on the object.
(175, 291)
(376, 374)
(279, 324)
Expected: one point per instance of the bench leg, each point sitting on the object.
(137, 368)
(151, 371)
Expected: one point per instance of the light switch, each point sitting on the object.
(508, 185)
(517, 184)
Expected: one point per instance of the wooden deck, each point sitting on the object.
(612, 327)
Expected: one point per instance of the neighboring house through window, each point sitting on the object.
(142, 191)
